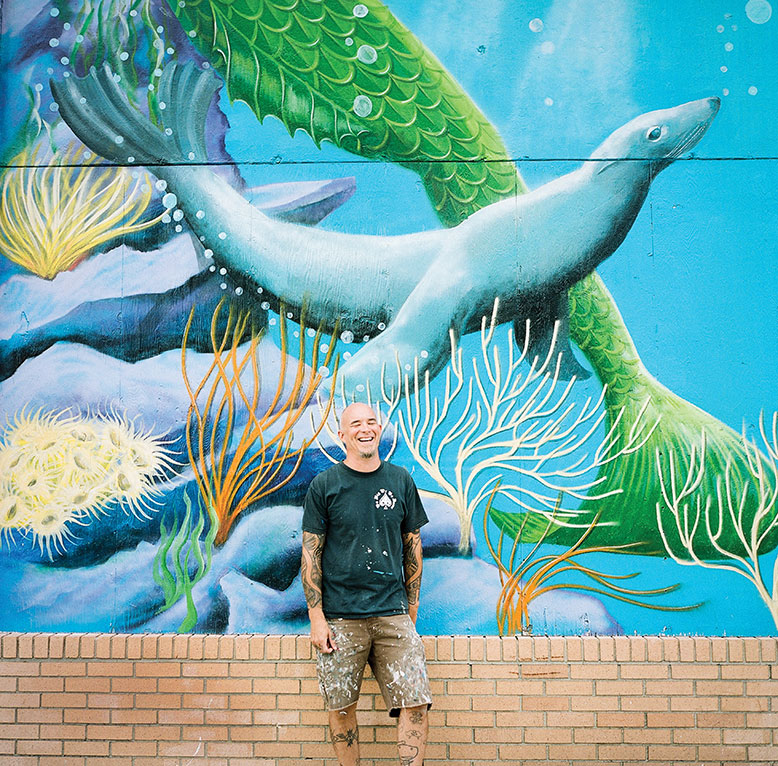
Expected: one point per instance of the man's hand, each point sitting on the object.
(321, 635)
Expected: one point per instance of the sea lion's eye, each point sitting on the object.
(654, 134)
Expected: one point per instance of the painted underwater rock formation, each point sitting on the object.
(526, 252)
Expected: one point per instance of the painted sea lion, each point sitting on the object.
(525, 251)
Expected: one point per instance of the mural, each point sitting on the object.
(222, 221)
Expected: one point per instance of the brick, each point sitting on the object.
(38, 747)
(165, 647)
(158, 701)
(19, 699)
(656, 670)
(180, 685)
(184, 716)
(161, 733)
(62, 731)
(110, 700)
(622, 753)
(112, 732)
(110, 668)
(137, 685)
(133, 716)
(103, 647)
(40, 684)
(667, 753)
(205, 669)
(157, 669)
(84, 715)
(134, 748)
(37, 715)
(76, 684)
(86, 748)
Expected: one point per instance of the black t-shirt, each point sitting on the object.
(363, 516)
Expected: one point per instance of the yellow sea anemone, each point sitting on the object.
(60, 469)
(54, 215)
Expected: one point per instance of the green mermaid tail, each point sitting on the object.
(353, 75)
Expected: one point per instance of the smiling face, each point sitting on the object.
(360, 433)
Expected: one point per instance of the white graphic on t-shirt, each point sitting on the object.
(384, 499)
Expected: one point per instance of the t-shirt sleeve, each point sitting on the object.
(314, 510)
(415, 515)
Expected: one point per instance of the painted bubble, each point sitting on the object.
(367, 54)
(752, 91)
(349, 41)
(170, 200)
(362, 106)
(53, 42)
(360, 10)
(208, 253)
(759, 11)
(178, 215)
(536, 25)
(728, 46)
(200, 214)
(238, 291)
(160, 185)
(548, 101)
(724, 69)
(347, 336)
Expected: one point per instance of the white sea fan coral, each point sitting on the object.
(59, 470)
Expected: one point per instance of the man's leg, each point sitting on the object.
(345, 735)
(412, 735)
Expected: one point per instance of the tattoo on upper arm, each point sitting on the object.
(310, 569)
(412, 564)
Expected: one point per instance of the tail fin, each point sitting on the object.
(98, 112)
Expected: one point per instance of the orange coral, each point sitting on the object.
(230, 483)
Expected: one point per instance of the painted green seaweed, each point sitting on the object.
(183, 539)
(355, 76)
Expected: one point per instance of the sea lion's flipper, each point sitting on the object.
(549, 326)
(97, 110)
(418, 339)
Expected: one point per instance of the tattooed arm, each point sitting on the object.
(412, 568)
(310, 570)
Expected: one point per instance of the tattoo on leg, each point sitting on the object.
(350, 737)
(408, 753)
(416, 716)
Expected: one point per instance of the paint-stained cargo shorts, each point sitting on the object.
(396, 655)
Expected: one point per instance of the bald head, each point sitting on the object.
(360, 433)
(355, 411)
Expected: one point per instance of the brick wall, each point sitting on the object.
(138, 700)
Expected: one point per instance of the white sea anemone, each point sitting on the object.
(61, 470)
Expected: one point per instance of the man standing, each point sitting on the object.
(361, 573)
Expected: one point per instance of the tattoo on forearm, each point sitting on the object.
(412, 565)
(350, 737)
(310, 569)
